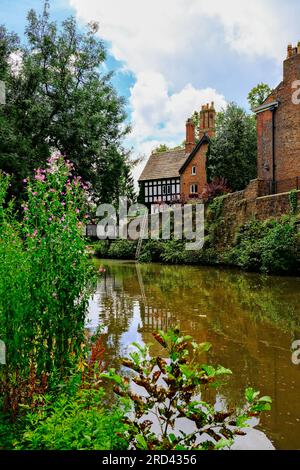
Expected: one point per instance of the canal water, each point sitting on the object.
(251, 320)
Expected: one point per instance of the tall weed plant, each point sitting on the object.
(45, 281)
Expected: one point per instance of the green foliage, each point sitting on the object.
(122, 249)
(215, 208)
(45, 281)
(101, 248)
(61, 99)
(161, 148)
(79, 421)
(233, 150)
(258, 95)
(174, 386)
(270, 247)
(173, 252)
(151, 251)
(293, 198)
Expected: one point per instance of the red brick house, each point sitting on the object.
(278, 130)
(179, 174)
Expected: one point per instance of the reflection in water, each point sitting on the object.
(251, 321)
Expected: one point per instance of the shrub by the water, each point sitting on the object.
(78, 421)
(176, 385)
(101, 248)
(270, 247)
(122, 249)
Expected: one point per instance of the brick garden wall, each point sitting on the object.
(240, 207)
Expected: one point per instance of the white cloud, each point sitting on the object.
(157, 113)
(163, 42)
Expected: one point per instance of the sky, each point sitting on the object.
(171, 56)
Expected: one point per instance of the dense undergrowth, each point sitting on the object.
(271, 246)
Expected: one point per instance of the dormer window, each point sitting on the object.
(193, 170)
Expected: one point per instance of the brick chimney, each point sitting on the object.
(207, 120)
(190, 136)
(291, 66)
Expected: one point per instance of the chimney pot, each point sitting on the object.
(289, 51)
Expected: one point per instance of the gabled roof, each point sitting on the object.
(164, 165)
(205, 140)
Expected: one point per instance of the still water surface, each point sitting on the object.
(251, 321)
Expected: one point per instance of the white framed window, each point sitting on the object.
(193, 170)
(194, 189)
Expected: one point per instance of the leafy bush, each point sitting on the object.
(270, 246)
(45, 281)
(122, 249)
(101, 248)
(173, 252)
(79, 421)
(173, 387)
(151, 251)
(217, 187)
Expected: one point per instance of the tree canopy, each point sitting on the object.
(233, 151)
(258, 95)
(59, 97)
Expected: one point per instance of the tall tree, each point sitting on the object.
(233, 151)
(258, 95)
(59, 98)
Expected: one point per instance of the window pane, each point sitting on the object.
(159, 190)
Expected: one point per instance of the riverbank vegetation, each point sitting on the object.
(271, 246)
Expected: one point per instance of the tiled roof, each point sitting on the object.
(164, 165)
